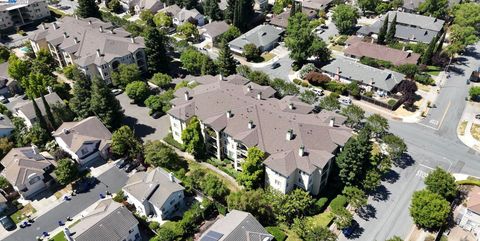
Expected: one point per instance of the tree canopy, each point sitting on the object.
(345, 18)
(104, 105)
(138, 91)
(429, 210)
(124, 142)
(252, 169)
(126, 74)
(87, 9)
(193, 139)
(66, 171)
(443, 183)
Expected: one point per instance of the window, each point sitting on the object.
(277, 182)
(34, 180)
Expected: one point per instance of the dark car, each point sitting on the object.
(130, 166)
(121, 163)
(477, 116)
(156, 115)
(275, 65)
(7, 223)
(85, 184)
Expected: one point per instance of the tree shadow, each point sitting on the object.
(381, 194)
(456, 70)
(470, 51)
(142, 130)
(357, 231)
(404, 161)
(391, 176)
(367, 212)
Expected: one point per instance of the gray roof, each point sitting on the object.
(272, 118)
(19, 163)
(414, 4)
(106, 220)
(349, 69)
(216, 28)
(280, 20)
(236, 226)
(262, 35)
(5, 122)
(154, 186)
(27, 107)
(316, 4)
(412, 27)
(172, 9)
(76, 134)
(85, 36)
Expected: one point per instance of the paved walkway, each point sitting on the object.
(468, 116)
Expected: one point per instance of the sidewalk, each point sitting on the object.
(467, 121)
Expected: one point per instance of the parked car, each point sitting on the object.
(120, 163)
(346, 101)
(317, 91)
(275, 65)
(84, 184)
(156, 115)
(477, 116)
(130, 166)
(7, 223)
(117, 91)
(3, 99)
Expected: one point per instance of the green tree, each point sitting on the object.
(104, 104)
(4, 54)
(80, 102)
(319, 233)
(88, 9)
(161, 80)
(163, 20)
(392, 30)
(356, 197)
(156, 50)
(231, 34)
(329, 103)
(474, 93)
(189, 31)
(66, 171)
(251, 52)
(287, 207)
(36, 135)
(427, 56)
(308, 97)
(252, 201)
(443, 183)
(38, 114)
(51, 119)
(408, 69)
(377, 124)
(382, 33)
(435, 8)
(259, 77)
(467, 14)
(229, 12)
(37, 83)
(154, 103)
(429, 210)
(126, 74)
(193, 139)
(226, 63)
(43, 63)
(439, 47)
(354, 115)
(18, 69)
(252, 169)
(192, 60)
(284, 88)
(146, 15)
(4, 184)
(62, 113)
(372, 180)
(345, 18)
(242, 14)
(124, 142)
(351, 160)
(212, 186)
(395, 145)
(5, 146)
(368, 5)
(138, 91)
(159, 155)
(343, 218)
(212, 10)
(114, 6)
(208, 66)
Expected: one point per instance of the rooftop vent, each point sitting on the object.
(250, 125)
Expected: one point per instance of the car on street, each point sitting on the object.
(275, 65)
(156, 115)
(477, 116)
(120, 163)
(7, 223)
(116, 91)
(84, 184)
(130, 166)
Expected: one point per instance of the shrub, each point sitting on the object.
(306, 69)
(369, 94)
(169, 139)
(277, 233)
(341, 40)
(153, 225)
(297, 81)
(334, 86)
(474, 93)
(338, 202)
(305, 84)
(320, 203)
(221, 208)
(316, 79)
(424, 79)
(469, 182)
(119, 197)
(391, 102)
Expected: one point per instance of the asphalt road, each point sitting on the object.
(112, 180)
(431, 143)
(282, 71)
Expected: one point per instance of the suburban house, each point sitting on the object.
(236, 225)
(258, 4)
(468, 216)
(105, 220)
(19, 13)
(315, 5)
(412, 5)
(280, 20)
(410, 27)
(383, 81)
(141, 5)
(356, 48)
(8, 87)
(182, 15)
(265, 37)
(6, 126)
(214, 30)
(156, 194)
(26, 111)
(97, 48)
(27, 170)
(236, 114)
(86, 140)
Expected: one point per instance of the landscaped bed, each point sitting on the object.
(462, 127)
(22, 213)
(475, 130)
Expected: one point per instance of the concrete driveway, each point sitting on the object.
(144, 126)
(66, 6)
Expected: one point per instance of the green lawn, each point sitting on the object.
(20, 214)
(433, 70)
(323, 219)
(59, 237)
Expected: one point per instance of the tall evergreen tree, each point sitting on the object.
(51, 119)
(212, 10)
(38, 114)
(156, 51)
(439, 46)
(229, 12)
(104, 104)
(383, 31)
(242, 14)
(392, 30)
(189, 4)
(226, 62)
(427, 56)
(80, 102)
(87, 9)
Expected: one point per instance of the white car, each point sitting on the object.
(346, 101)
(319, 92)
(117, 91)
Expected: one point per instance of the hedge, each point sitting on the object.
(339, 202)
(169, 139)
(277, 233)
(469, 182)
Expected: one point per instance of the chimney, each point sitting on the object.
(112, 31)
(291, 106)
(132, 39)
(229, 114)
(338, 70)
(372, 81)
(170, 176)
(289, 135)
(54, 25)
(75, 40)
(65, 35)
(403, 48)
(435, 20)
(250, 125)
(426, 32)
(65, 131)
(43, 26)
(221, 77)
(100, 29)
(49, 89)
(76, 17)
(372, 40)
(259, 95)
(187, 95)
(98, 53)
(35, 149)
(89, 22)
(301, 151)
(249, 88)
(332, 122)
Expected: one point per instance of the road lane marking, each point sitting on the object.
(445, 114)
(421, 174)
(422, 165)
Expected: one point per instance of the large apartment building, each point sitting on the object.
(236, 114)
(95, 47)
(19, 13)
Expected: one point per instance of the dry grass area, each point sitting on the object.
(337, 47)
(425, 88)
(462, 127)
(475, 131)
(66, 190)
(267, 56)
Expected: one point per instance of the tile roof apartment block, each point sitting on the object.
(369, 78)
(86, 140)
(412, 5)
(410, 27)
(26, 111)
(265, 37)
(27, 170)
(105, 220)
(96, 47)
(356, 48)
(236, 114)
(236, 226)
(156, 194)
(22, 12)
